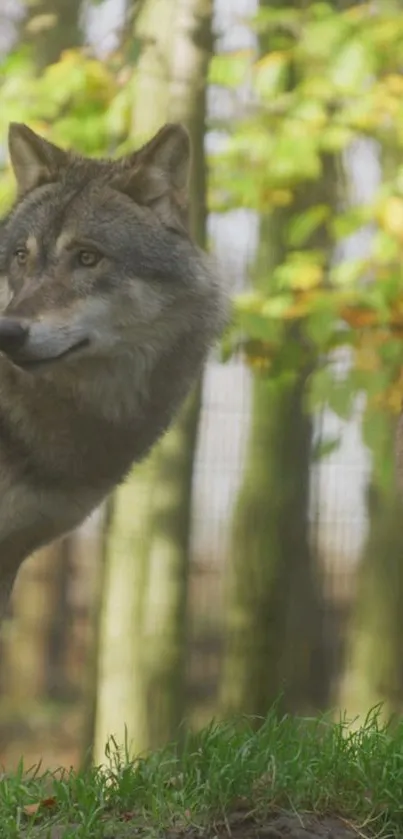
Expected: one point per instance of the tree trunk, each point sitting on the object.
(171, 72)
(165, 609)
(374, 670)
(273, 617)
(119, 688)
(373, 661)
(49, 27)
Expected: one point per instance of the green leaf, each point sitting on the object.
(275, 307)
(324, 389)
(259, 327)
(385, 247)
(352, 67)
(377, 436)
(370, 382)
(320, 325)
(320, 38)
(320, 384)
(228, 346)
(349, 272)
(294, 159)
(230, 70)
(270, 74)
(267, 18)
(335, 138)
(341, 398)
(290, 357)
(350, 221)
(323, 448)
(302, 226)
(392, 353)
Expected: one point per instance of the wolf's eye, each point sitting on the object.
(88, 258)
(21, 256)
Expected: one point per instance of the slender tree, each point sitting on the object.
(372, 667)
(141, 684)
(272, 607)
(373, 671)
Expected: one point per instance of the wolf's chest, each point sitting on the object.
(31, 517)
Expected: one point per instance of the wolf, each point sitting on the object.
(110, 312)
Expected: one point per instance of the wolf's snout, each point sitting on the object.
(12, 335)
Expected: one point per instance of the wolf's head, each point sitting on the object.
(97, 257)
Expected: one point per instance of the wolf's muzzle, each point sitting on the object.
(12, 335)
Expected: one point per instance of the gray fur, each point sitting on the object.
(94, 360)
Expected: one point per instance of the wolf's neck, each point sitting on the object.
(138, 388)
(110, 420)
(143, 394)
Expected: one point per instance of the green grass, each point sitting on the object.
(288, 763)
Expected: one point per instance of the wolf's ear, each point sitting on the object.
(34, 160)
(156, 175)
(169, 152)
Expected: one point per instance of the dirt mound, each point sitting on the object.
(289, 826)
(298, 827)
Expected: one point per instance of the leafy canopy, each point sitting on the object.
(326, 79)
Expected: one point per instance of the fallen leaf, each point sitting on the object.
(128, 816)
(44, 804)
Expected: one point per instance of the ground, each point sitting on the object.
(275, 826)
(279, 778)
(292, 826)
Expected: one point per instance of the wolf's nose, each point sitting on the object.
(12, 334)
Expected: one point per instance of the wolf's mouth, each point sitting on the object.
(36, 363)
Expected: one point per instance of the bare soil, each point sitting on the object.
(291, 826)
(275, 826)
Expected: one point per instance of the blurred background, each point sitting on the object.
(258, 552)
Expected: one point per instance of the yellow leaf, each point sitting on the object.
(260, 365)
(275, 57)
(394, 399)
(71, 56)
(390, 399)
(301, 306)
(386, 104)
(394, 395)
(276, 306)
(249, 302)
(395, 83)
(269, 73)
(281, 197)
(348, 272)
(258, 354)
(366, 358)
(397, 312)
(390, 216)
(307, 276)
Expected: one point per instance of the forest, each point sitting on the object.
(256, 555)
